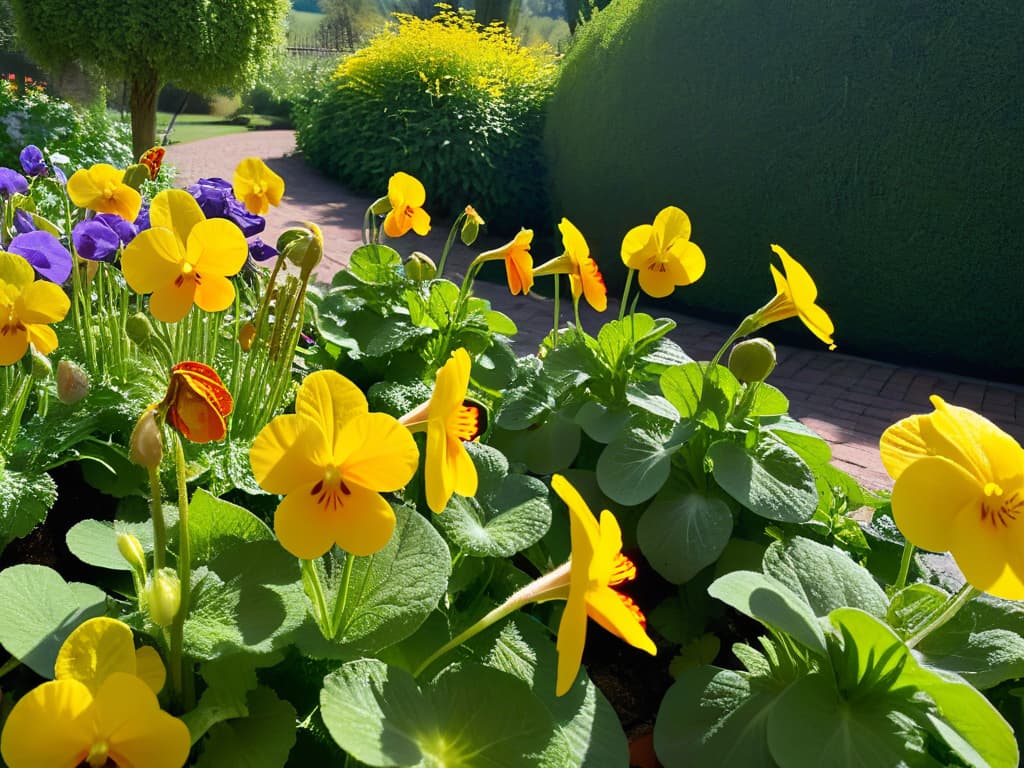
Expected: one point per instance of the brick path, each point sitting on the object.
(848, 400)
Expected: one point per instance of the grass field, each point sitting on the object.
(194, 127)
(302, 24)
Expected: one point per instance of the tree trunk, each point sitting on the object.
(497, 10)
(145, 85)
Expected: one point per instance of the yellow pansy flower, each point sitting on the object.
(518, 261)
(794, 297)
(184, 258)
(960, 488)
(331, 460)
(597, 565)
(101, 188)
(257, 186)
(448, 421)
(27, 306)
(407, 196)
(662, 253)
(584, 277)
(100, 709)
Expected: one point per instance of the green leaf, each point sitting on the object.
(550, 447)
(95, 542)
(983, 656)
(469, 716)
(38, 610)
(768, 479)
(654, 404)
(498, 322)
(228, 682)
(634, 467)
(713, 717)
(216, 525)
(261, 739)
(682, 531)
(495, 367)
(376, 265)
(912, 606)
(807, 444)
(525, 404)
(825, 577)
(710, 405)
(600, 422)
(390, 593)
(394, 332)
(768, 401)
(441, 302)
(250, 599)
(763, 598)
(514, 518)
(24, 501)
(491, 466)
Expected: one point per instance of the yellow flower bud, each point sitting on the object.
(246, 335)
(420, 267)
(752, 360)
(72, 382)
(146, 446)
(131, 550)
(163, 596)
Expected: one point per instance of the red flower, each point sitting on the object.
(197, 402)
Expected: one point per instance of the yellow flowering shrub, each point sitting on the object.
(453, 103)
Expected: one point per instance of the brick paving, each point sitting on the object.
(848, 400)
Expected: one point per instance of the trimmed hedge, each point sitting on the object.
(880, 143)
(456, 105)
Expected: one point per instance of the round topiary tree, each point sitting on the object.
(880, 143)
(198, 45)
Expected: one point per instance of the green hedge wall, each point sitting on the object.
(881, 142)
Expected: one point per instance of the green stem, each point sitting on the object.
(576, 314)
(949, 610)
(905, 560)
(342, 600)
(11, 664)
(625, 293)
(156, 509)
(184, 684)
(558, 315)
(449, 243)
(311, 578)
(20, 400)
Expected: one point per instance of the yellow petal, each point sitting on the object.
(125, 202)
(671, 224)
(397, 223)
(149, 668)
(13, 346)
(606, 607)
(176, 210)
(572, 239)
(301, 525)
(989, 554)
(902, 444)
(87, 187)
(439, 479)
(451, 385)
(801, 286)
(41, 302)
(137, 731)
(927, 498)
(638, 246)
(152, 260)
(972, 441)
(366, 522)
(46, 728)
(42, 337)
(290, 452)
(608, 548)
(217, 247)
(214, 293)
(572, 636)
(172, 301)
(375, 451)
(593, 285)
(686, 262)
(15, 270)
(96, 649)
(818, 322)
(584, 531)
(420, 222)
(330, 400)
(404, 189)
(462, 467)
(655, 282)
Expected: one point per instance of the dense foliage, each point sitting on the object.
(457, 105)
(892, 156)
(290, 80)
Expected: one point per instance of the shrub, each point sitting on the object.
(879, 142)
(86, 136)
(291, 79)
(457, 105)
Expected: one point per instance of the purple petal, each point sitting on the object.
(32, 161)
(12, 182)
(95, 240)
(61, 176)
(45, 253)
(217, 201)
(260, 251)
(142, 220)
(126, 231)
(23, 221)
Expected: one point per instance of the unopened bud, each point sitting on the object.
(246, 335)
(42, 368)
(146, 446)
(131, 550)
(381, 206)
(471, 226)
(752, 360)
(135, 175)
(163, 596)
(302, 246)
(72, 382)
(138, 328)
(420, 267)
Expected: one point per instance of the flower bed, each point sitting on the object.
(347, 521)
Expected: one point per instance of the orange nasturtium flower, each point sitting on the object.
(100, 709)
(584, 277)
(101, 188)
(518, 261)
(794, 297)
(26, 307)
(597, 565)
(662, 253)
(960, 488)
(257, 186)
(331, 460)
(197, 402)
(407, 196)
(184, 258)
(448, 420)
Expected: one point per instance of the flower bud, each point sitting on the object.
(131, 550)
(163, 596)
(146, 446)
(752, 360)
(302, 246)
(138, 328)
(42, 368)
(246, 335)
(420, 267)
(471, 226)
(381, 206)
(135, 175)
(72, 382)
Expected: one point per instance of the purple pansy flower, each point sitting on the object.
(100, 237)
(23, 221)
(12, 182)
(45, 253)
(142, 220)
(218, 201)
(32, 161)
(260, 251)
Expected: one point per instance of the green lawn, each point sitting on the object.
(194, 127)
(302, 24)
